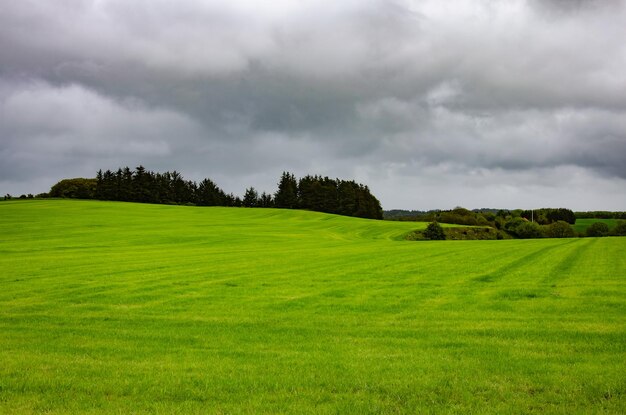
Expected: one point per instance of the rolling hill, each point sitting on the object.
(109, 307)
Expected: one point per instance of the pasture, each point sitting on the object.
(581, 225)
(110, 307)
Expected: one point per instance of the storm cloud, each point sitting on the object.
(433, 104)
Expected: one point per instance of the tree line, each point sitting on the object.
(315, 193)
(601, 214)
(523, 224)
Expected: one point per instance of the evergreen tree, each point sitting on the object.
(143, 186)
(287, 194)
(266, 200)
(251, 198)
(208, 194)
(178, 188)
(346, 195)
(99, 186)
(108, 185)
(126, 185)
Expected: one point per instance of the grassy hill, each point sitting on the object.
(127, 308)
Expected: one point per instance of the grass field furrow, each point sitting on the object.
(126, 308)
(570, 261)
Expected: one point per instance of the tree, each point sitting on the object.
(266, 200)
(208, 194)
(563, 214)
(251, 198)
(598, 229)
(287, 194)
(78, 188)
(141, 185)
(560, 229)
(529, 230)
(620, 228)
(434, 232)
(126, 185)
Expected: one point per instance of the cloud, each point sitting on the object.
(509, 93)
(45, 129)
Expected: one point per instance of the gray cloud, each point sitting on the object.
(479, 103)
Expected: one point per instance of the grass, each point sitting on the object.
(581, 225)
(130, 308)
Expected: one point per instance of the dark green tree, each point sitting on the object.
(108, 185)
(620, 228)
(99, 192)
(208, 194)
(142, 184)
(287, 194)
(266, 200)
(560, 229)
(251, 198)
(434, 232)
(598, 229)
(126, 185)
(529, 230)
(78, 188)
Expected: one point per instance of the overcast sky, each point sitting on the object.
(433, 104)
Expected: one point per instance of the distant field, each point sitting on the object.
(126, 308)
(581, 225)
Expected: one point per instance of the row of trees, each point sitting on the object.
(485, 217)
(495, 218)
(145, 186)
(561, 229)
(547, 216)
(140, 185)
(601, 215)
(524, 229)
(323, 194)
(539, 223)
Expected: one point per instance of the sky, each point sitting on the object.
(433, 104)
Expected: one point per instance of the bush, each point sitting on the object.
(512, 225)
(529, 230)
(560, 229)
(620, 228)
(434, 232)
(78, 188)
(598, 229)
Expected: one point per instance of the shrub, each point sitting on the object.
(598, 229)
(560, 229)
(529, 230)
(620, 228)
(434, 232)
(78, 188)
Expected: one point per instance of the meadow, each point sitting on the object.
(119, 308)
(581, 225)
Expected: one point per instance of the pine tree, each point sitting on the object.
(266, 200)
(251, 198)
(99, 186)
(208, 194)
(287, 194)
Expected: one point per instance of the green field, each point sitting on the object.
(581, 225)
(126, 308)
